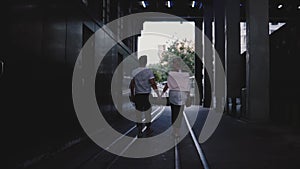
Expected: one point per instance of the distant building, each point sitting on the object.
(161, 49)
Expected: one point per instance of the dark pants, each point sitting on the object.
(177, 114)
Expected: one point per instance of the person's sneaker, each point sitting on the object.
(140, 134)
(139, 127)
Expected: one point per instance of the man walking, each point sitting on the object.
(140, 87)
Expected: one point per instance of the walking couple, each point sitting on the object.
(140, 88)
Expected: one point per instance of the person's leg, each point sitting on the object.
(138, 116)
(148, 117)
(138, 111)
(180, 116)
(139, 123)
(148, 121)
(175, 109)
(148, 110)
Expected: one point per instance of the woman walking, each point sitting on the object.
(179, 88)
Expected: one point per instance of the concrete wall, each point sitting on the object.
(44, 40)
(284, 88)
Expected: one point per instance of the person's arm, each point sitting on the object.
(154, 86)
(131, 86)
(165, 89)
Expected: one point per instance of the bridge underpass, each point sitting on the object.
(42, 44)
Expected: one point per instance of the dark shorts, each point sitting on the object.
(142, 102)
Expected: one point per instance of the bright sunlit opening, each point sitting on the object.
(193, 4)
(144, 4)
(169, 4)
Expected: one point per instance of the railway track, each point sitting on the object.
(186, 154)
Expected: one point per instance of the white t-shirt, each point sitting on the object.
(142, 76)
(179, 81)
(179, 85)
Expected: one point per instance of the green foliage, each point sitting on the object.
(177, 48)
